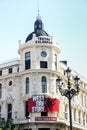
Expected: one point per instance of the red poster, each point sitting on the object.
(42, 104)
(51, 105)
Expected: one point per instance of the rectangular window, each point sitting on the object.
(44, 114)
(43, 64)
(0, 72)
(26, 110)
(18, 69)
(10, 70)
(27, 60)
(9, 111)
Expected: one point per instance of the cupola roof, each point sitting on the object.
(38, 30)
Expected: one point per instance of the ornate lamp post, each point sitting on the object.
(69, 92)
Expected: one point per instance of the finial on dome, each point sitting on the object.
(38, 11)
(38, 27)
(38, 14)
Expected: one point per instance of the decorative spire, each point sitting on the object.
(38, 11)
(38, 8)
(38, 14)
(38, 27)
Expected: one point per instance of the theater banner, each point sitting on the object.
(39, 103)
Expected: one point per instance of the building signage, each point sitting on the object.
(39, 100)
(38, 103)
(44, 40)
(45, 118)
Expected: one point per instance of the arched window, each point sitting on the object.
(27, 85)
(44, 84)
(0, 90)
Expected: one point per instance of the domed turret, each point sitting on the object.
(38, 30)
(38, 25)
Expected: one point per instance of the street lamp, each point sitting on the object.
(69, 92)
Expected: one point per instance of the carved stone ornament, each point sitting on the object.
(9, 99)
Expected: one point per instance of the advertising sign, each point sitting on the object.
(38, 103)
(45, 118)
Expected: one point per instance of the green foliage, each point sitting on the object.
(8, 125)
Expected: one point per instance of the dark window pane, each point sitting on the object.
(18, 69)
(10, 83)
(27, 85)
(44, 84)
(27, 55)
(44, 114)
(0, 73)
(43, 64)
(27, 60)
(26, 109)
(27, 64)
(10, 70)
(9, 111)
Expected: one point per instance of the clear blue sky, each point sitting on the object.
(65, 19)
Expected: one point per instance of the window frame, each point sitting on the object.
(27, 85)
(9, 111)
(27, 60)
(10, 70)
(43, 64)
(44, 84)
(26, 109)
(0, 72)
(44, 113)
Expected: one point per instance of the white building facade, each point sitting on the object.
(28, 91)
